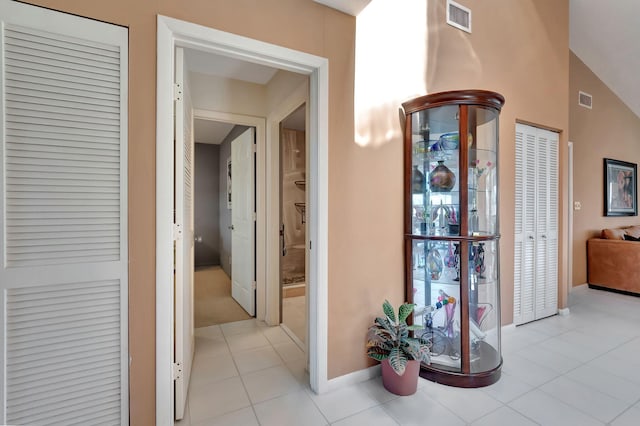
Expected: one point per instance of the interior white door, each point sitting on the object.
(184, 143)
(536, 225)
(243, 220)
(63, 219)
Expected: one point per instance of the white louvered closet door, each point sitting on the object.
(536, 224)
(63, 210)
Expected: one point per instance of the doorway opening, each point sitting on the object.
(215, 302)
(171, 34)
(293, 204)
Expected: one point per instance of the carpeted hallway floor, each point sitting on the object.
(213, 303)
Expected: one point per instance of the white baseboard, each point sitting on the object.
(564, 312)
(508, 327)
(353, 378)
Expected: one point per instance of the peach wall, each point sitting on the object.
(298, 24)
(521, 50)
(609, 130)
(510, 42)
(212, 93)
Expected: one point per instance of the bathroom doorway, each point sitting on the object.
(293, 225)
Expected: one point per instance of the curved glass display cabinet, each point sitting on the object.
(451, 232)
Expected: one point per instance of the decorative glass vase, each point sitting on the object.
(441, 179)
(434, 262)
(417, 181)
(474, 221)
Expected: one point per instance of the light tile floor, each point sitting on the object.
(294, 311)
(583, 369)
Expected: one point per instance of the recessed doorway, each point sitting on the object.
(293, 210)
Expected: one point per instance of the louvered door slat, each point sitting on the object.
(38, 53)
(74, 362)
(66, 77)
(73, 366)
(33, 97)
(70, 111)
(63, 207)
(519, 196)
(22, 305)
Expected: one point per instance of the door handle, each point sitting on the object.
(283, 246)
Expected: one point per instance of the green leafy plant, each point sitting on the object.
(388, 338)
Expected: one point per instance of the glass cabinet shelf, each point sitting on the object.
(451, 233)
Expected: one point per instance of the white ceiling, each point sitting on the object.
(605, 35)
(211, 132)
(214, 132)
(223, 66)
(351, 7)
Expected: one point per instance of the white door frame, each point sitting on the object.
(171, 33)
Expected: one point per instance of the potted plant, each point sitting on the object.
(388, 341)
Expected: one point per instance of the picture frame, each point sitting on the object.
(620, 188)
(229, 183)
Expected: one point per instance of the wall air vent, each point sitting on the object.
(458, 16)
(585, 100)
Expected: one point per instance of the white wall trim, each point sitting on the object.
(261, 188)
(570, 223)
(354, 378)
(170, 33)
(298, 97)
(564, 312)
(509, 327)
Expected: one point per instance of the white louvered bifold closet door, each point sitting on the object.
(536, 224)
(63, 210)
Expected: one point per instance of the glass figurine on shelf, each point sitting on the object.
(440, 218)
(457, 262)
(477, 259)
(434, 263)
(454, 226)
(474, 225)
(451, 261)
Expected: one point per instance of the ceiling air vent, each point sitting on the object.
(458, 16)
(585, 100)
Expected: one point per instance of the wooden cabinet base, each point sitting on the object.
(459, 380)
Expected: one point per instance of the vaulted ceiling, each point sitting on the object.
(605, 35)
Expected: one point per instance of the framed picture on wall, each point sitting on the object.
(620, 188)
(229, 183)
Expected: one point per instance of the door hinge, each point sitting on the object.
(254, 285)
(253, 148)
(255, 216)
(177, 232)
(176, 370)
(177, 92)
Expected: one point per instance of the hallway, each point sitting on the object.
(582, 369)
(212, 301)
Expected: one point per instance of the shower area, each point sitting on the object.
(293, 263)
